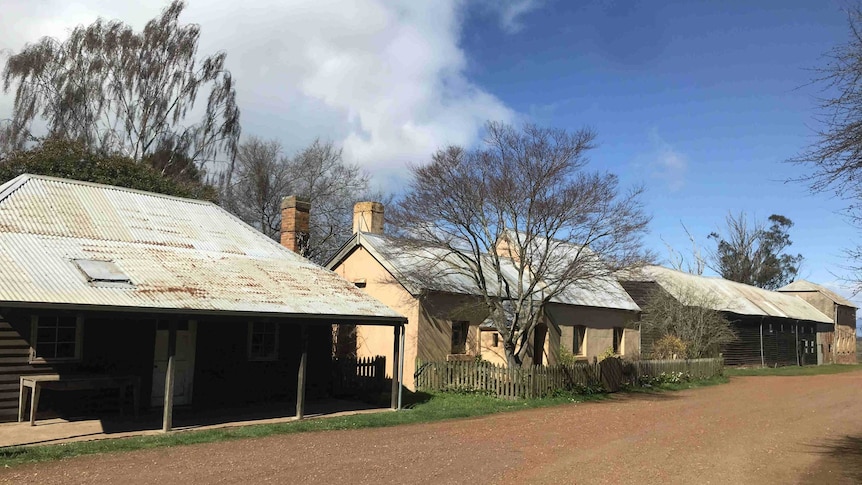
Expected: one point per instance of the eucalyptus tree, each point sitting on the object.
(117, 90)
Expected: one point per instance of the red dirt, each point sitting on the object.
(755, 430)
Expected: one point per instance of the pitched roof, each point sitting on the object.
(178, 254)
(730, 296)
(803, 285)
(452, 275)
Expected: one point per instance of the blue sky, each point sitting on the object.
(699, 101)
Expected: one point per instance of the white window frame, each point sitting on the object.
(34, 336)
(582, 348)
(263, 358)
(620, 350)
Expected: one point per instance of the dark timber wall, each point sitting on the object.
(780, 342)
(119, 344)
(124, 344)
(225, 376)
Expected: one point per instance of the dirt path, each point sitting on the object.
(755, 430)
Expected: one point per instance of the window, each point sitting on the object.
(579, 332)
(262, 341)
(459, 337)
(56, 338)
(618, 340)
(496, 339)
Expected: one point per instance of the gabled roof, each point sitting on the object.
(806, 286)
(452, 276)
(179, 255)
(730, 296)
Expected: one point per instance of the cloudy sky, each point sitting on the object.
(699, 101)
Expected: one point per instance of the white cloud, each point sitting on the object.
(668, 165)
(511, 12)
(384, 78)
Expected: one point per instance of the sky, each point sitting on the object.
(701, 102)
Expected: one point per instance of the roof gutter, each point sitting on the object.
(323, 319)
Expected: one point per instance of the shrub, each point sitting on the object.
(669, 347)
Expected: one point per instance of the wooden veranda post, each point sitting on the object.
(300, 378)
(396, 358)
(168, 413)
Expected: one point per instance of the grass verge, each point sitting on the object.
(425, 408)
(794, 370)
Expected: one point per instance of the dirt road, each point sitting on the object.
(756, 430)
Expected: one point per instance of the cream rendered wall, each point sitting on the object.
(374, 340)
(599, 335)
(495, 355)
(436, 314)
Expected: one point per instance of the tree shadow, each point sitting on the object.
(841, 459)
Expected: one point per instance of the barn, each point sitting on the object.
(773, 328)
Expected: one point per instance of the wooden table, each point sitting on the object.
(74, 382)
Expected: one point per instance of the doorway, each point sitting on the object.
(184, 363)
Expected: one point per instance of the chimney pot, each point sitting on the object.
(294, 224)
(368, 217)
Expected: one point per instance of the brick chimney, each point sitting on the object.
(294, 224)
(368, 217)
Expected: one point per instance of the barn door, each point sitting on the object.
(184, 361)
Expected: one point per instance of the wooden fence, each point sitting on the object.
(695, 368)
(352, 376)
(540, 381)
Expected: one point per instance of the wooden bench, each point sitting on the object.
(57, 382)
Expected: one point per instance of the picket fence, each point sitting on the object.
(351, 376)
(540, 381)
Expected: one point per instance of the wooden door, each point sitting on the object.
(184, 363)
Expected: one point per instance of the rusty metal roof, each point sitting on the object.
(730, 296)
(179, 254)
(806, 286)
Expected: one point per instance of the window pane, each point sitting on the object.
(44, 335)
(66, 334)
(65, 351)
(45, 350)
(67, 321)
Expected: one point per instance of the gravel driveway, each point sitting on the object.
(756, 430)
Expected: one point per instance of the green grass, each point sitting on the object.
(419, 408)
(680, 386)
(794, 370)
(439, 406)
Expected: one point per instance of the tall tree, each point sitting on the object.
(752, 253)
(317, 173)
(835, 157)
(121, 91)
(523, 220)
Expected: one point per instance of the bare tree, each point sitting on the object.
(117, 90)
(752, 253)
(522, 220)
(317, 173)
(260, 181)
(690, 318)
(694, 264)
(835, 157)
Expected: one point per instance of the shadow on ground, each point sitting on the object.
(840, 462)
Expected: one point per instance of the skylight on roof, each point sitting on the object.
(103, 273)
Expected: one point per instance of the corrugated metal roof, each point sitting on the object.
(179, 254)
(804, 285)
(451, 274)
(730, 296)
